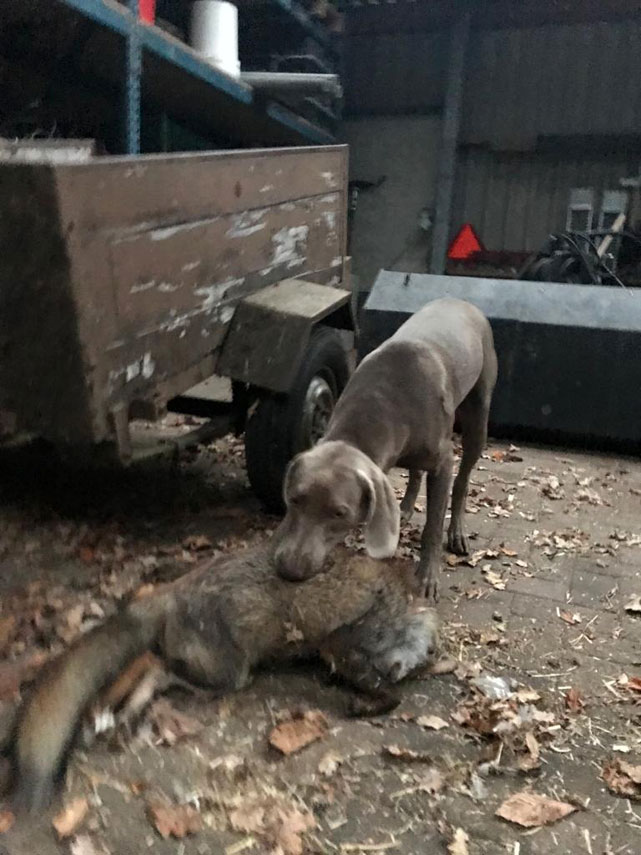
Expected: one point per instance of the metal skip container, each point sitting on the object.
(569, 355)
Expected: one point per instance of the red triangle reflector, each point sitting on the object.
(464, 244)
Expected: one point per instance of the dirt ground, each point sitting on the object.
(547, 605)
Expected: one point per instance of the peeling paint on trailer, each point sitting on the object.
(289, 245)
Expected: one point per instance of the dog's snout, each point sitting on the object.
(295, 562)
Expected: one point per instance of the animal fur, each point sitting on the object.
(214, 625)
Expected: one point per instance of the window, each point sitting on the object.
(580, 210)
(614, 202)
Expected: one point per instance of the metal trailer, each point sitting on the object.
(127, 281)
(569, 355)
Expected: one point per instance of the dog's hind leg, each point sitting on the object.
(411, 493)
(473, 415)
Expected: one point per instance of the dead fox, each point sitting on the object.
(214, 625)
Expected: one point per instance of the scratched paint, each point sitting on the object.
(247, 223)
(329, 178)
(143, 367)
(142, 286)
(289, 245)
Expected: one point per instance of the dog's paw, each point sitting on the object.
(457, 542)
(406, 514)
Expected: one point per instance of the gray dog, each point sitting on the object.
(398, 409)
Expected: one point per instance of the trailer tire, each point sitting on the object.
(281, 426)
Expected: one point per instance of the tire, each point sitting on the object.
(283, 425)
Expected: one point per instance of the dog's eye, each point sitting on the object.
(295, 500)
(341, 513)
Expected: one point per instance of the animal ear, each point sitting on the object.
(290, 475)
(383, 515)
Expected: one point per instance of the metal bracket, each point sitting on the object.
(270, 329)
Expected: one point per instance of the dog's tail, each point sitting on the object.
(48, 722)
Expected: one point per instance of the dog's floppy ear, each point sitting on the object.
(290, 476)
(382, 516)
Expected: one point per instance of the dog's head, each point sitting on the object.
(329, 490)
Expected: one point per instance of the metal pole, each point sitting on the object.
(449, 141)
(133, 74)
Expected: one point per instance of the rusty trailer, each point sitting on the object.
(127, 281)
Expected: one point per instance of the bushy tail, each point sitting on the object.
(50, 717)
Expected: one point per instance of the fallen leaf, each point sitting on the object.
(574, 701)
(633, 606)
(431, 722)
(531, 760)
(528, 696)
(458, 846)
(174, 820)
(591, 497)
(406, 754)
(298, 732)
(280, 823)
(623, 779)
(445, 665)
(329, 763)
(171, 725)
(71, 817)
(551, 487)
(493, 578)
(631, 683)
(532, 810)
(83, 845)
(7, 819)
(197, 542)
(570, 617)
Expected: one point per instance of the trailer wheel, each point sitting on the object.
(283, 425)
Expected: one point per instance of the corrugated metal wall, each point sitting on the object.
(574, 89)
(515, 199)
(400, 73)
(553, 80)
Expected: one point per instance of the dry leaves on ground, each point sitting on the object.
(532, 810)
(574, 701)
(431, 722)
(299, 731)
(174, 820)
(171, 725)
(406, 755)
(84, 845)
(197, 543)
(633, 606)
(281, 824)
(445, 665)
(458, 846)
(329, 763)
(71, 817)
(7, 819)
(571, 618)
(493, 578)
(623, 779)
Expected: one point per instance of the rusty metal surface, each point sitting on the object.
(270, 331)
(145, 260)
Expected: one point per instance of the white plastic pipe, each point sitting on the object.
(214, 34)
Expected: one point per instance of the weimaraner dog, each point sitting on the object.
(398, 409)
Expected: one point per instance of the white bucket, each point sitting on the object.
(214, 34)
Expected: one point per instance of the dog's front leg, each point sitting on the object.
(411, 494)
(439, 480)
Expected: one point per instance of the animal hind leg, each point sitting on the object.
(473, 414)
(375, 694)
